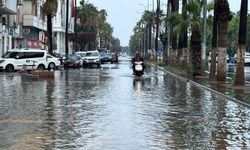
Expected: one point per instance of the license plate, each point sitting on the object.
(138, 67)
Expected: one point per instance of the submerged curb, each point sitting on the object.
(205, 87)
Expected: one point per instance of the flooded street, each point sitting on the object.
(107, 109)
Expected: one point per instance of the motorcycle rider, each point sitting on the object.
(137, 58)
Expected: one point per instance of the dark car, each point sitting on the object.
(73, 61)
(107, 57)
(102, 52)
(60, 56)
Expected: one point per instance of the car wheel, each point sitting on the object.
(84, 65)
(9, 68)
(41, 67)
(98, 65)
(52, 66)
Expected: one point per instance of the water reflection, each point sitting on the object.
(103, 109)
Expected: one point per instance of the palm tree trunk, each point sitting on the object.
(183, 41)
(49, 28)
(240, 77)
(157, 27)
(66, 30)
(212, 74)
(196, 51)
(223, 15)
(75, 19)
(167, 31)
(175, 8)
(222, 51)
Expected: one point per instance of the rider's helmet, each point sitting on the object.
(137, 53)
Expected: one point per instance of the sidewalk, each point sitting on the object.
(239, 94)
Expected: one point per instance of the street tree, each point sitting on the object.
(173, 35)
(49, 9)
(212, 74)
(223, 16)
(239, 77)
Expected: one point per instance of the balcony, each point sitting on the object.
(8, 7)
(34, 21)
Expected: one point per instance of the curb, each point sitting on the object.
(205, 87)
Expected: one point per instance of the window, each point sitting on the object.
(10, 55)
(20, 55)
(34, 54)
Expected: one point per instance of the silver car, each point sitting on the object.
(92, 58)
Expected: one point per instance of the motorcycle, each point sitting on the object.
(138, 68)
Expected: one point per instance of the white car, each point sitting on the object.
(18, 59)
(247, 58)
(92, 58)
(209, 57)
(81, 53)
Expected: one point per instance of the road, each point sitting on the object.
(107, 109)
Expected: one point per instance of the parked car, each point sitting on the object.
(107, 57)
(60, 56)
(56, 64)
(247, 58)
(73, 61)
(102, 52)
(81, 53)
(209, 57)
(92, 58)
(18, 59)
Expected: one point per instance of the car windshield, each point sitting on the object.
(10, 54)
(102, 52)
(92, 54)
(81, 54)
(108, 54)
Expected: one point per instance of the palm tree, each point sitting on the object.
(88, 16)
(193, 23)
(147, 19)
(49, 9)
(212, 75)
(183, 39)
(240, 78)
(66, 30)
(101, 26)
(157, 27)
(167, 36)
(174, 8)
(223, 15)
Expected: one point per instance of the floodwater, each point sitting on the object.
(107, 109)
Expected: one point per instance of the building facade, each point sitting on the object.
(7, 23)
(26, 25)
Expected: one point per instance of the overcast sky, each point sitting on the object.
(123, 14)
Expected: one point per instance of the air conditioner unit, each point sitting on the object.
(2, 2)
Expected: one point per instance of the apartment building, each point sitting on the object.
(59, 25)
(29, 26)
(7, 8)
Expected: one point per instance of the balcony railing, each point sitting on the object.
(34, 21)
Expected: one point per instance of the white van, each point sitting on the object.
(17, 59)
